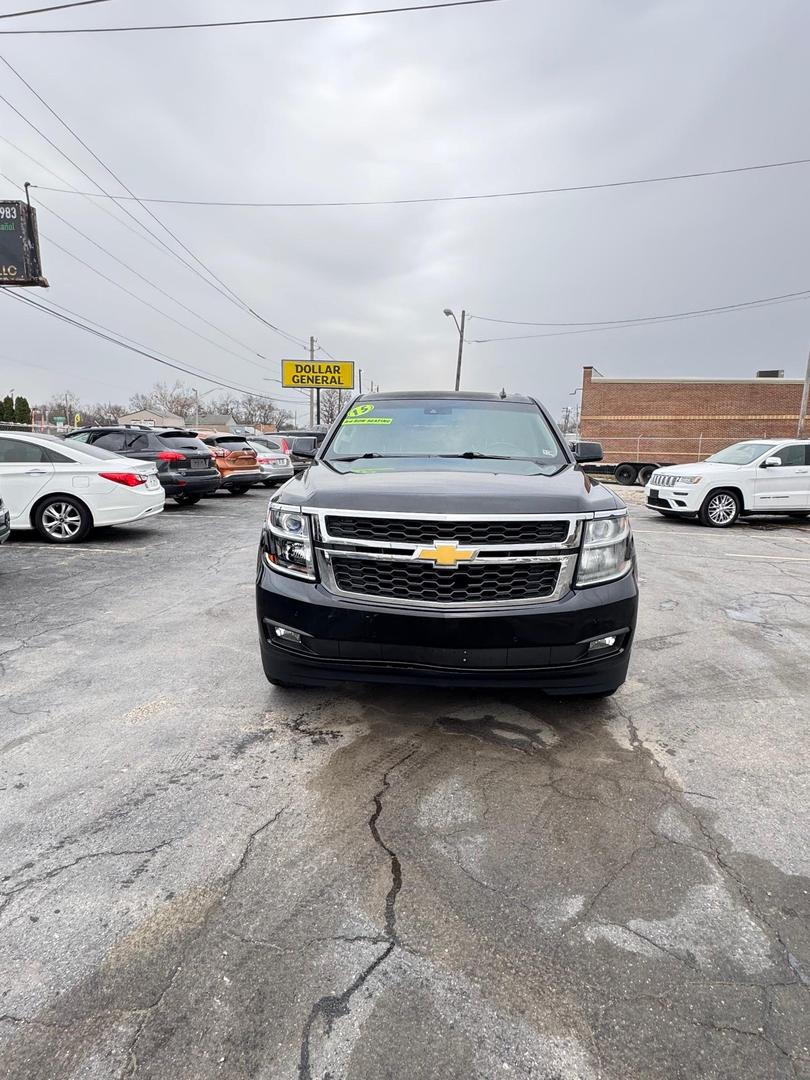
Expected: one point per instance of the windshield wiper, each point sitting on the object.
(357, 457)
(475, 454)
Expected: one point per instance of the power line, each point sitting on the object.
(121, 340)
(140, 299)
(156, 287)
(221, 287)
(72, 189)
(650, 318)
(450, 198)
(787, 298)
(258, 22)
(53, 7)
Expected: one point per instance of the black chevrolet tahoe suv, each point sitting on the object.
(448, 539)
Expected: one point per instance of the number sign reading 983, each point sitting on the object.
(19, 248)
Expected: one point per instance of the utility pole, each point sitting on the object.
(311, 392)
(360, 379)
(803, 406)
(450, 314)
(460, 348)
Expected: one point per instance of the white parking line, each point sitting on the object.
(769, 558)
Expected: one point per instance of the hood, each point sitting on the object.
(696, 468)
(417, 485)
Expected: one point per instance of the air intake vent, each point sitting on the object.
(771, 373)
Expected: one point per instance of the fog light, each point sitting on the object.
(602, 643)
(287, 635)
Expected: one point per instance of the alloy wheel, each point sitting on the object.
(722, 509)
(61, 520)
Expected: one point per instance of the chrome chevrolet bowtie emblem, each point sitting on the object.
(447, 554)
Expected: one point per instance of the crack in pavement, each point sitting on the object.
(9, 894)
(334, 1006)
(725, 868)
(131, 1066)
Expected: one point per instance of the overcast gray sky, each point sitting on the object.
(513, 95)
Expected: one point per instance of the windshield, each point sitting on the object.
(457, 427)
(741, 453)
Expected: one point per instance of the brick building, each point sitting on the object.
(684, 419)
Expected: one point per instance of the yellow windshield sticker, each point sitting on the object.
(367, 420)
(360, 410)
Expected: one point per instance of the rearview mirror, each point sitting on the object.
(587, 451)
(771, 462)
(305, 447)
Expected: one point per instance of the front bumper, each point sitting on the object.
(684, 499)
(540, 645)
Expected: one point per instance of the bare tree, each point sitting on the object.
(175, 398)
(331, 405)
(104, 412)
(65, 404)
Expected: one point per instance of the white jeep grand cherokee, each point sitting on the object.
(761, 476)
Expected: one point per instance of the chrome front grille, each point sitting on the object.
(663, 480)
(422, 583)
(447, 561)
(428, 531)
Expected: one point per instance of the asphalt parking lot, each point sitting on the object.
(206, 877)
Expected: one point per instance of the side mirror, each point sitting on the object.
(587, 451)
(307, 448)
(771, 463)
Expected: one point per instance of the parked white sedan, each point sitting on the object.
(760, 476)
(62, 489)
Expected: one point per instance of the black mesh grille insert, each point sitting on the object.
(414, 531)
(428, 584)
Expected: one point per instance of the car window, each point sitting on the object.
(56, 458)
(137, 442)
(88, 450)
(83, 436)
(185, 442)
(113, 440)
(790, 455)
(20, 450)
(235, 443)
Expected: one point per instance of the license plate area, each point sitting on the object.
(152, 481)
(197, 463)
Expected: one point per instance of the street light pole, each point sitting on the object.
(803, 406)
(460, 329)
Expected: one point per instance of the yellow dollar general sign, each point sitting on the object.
(326, 374)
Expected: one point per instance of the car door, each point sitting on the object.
(25, 472)
(783, 486)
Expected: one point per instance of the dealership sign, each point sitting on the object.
(19, 245)
(318, 374)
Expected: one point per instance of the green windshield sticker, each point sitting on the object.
(367, 420)
(360, 410)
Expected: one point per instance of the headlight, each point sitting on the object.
(689, 479)
(607, 550)
(290, 542)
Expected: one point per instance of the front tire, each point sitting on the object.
(720, 509)
(238, 490)
(61, 519)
